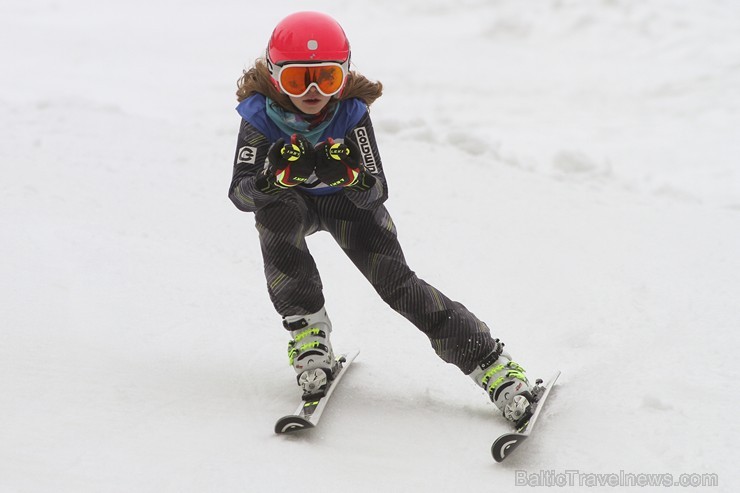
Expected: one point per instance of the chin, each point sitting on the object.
(311, 111)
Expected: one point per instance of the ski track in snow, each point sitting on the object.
(566, 169)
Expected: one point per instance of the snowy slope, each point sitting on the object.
(577, 165)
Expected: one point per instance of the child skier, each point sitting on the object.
(307, 160)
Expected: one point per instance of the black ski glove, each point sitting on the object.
(288, 165)
(340, 165)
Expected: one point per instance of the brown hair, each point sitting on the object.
(257, 80)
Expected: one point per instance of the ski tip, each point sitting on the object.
(351, 355)
(506, 444)
(290, 424)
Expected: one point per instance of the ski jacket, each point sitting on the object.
(258, 132)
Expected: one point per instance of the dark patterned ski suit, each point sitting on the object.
(360, 224)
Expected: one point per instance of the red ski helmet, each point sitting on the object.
(307, 37)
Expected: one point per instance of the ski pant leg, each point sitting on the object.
(293, 282)
(368, 237)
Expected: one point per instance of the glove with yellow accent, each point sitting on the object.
(288, 165)
(340, 165)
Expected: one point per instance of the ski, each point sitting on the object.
(508, 442)
(309, 412)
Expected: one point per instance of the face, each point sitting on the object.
(310, 103)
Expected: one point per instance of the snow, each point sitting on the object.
(567, 169)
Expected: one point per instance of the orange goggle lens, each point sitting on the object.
(296, 80)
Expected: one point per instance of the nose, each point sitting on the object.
(312, 91)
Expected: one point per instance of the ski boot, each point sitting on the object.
(310, 352)
(507, 385)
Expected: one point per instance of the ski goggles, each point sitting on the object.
(296, 79)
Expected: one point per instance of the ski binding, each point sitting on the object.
(508, 442)
(309, 412)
